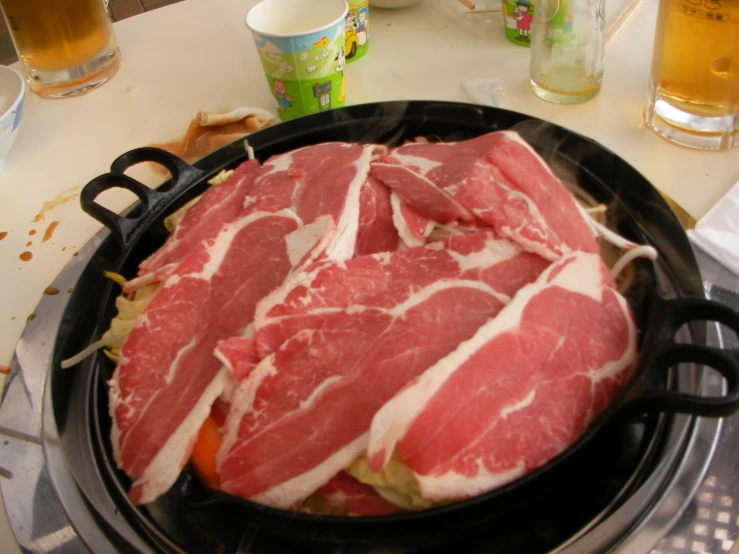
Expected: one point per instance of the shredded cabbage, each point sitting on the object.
(132, 306)
(396, 477)
(129, 309)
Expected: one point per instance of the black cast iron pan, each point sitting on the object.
(636, 211)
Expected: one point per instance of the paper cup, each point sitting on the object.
(356, 30)
(301, 47)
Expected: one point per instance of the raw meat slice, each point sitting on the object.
(346, 493)
(519, 392)
(501, 180)
(324, 179)
(412, 227)
(167, 377)
(376, 231)
(342, 339)
(496, 202)
(456, 229)
(530, 175)
(238, 355)
(423, 195)
(384, 281)
(219, 205)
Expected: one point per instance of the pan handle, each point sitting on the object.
(153, 201)
(671, 315)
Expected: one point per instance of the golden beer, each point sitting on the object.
(67, 46)
(694, 96)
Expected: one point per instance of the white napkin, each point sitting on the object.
(488, 92)
(717, 232)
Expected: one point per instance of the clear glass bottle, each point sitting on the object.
(568, 38)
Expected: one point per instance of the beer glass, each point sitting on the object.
(694, 86)
(67, 46)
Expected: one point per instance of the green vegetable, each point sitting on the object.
(395, 478)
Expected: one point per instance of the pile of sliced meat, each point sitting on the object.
(441, 305)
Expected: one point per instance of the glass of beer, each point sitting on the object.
(694, 87)
(67, 46)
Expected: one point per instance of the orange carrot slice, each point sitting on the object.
(203, 456)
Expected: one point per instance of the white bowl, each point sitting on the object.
(12, 94)
(393, 4)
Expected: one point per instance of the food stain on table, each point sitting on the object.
(27, 255)
(5, 370)
(61, 198)
(50, 231)
(51, 291)
(3, 234)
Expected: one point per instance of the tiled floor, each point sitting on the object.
(119, 9)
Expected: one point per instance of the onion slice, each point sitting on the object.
(629, 256)
(91, 349)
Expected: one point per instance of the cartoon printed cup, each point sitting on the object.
(517, 18)
(356, 30)
(301, 47)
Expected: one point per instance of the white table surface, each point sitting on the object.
(197, 55)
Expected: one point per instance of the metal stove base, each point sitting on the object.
(698, 513)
